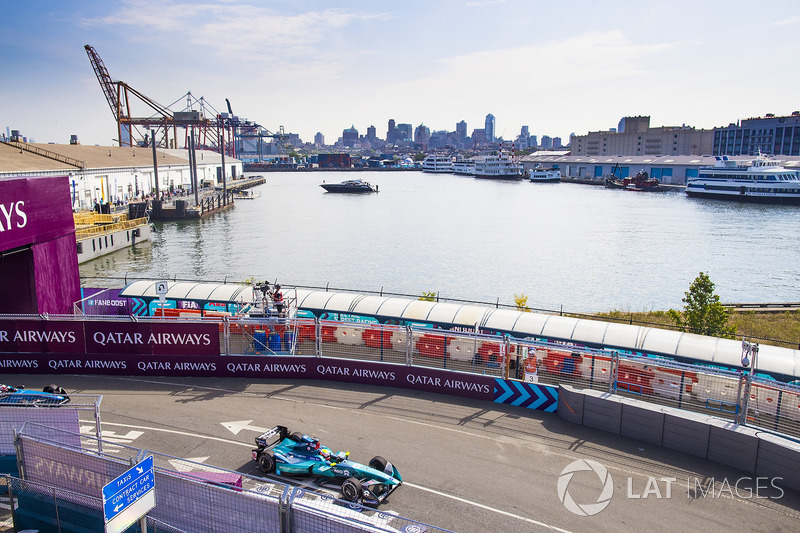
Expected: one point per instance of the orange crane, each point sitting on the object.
(135, 131)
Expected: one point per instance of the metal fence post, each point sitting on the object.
(612, 378)
(743, 397)
(226, 332)
(409, 345)
(317, 337)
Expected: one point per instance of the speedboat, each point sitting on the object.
(355, 186)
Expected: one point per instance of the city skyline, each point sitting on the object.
(312, 67)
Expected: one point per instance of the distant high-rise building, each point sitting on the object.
(319, 139)
(350, 137)
(556, 142)
(490, 128)
(371, 134)
(547, 142)
(524, 139)
(479, 137)
(404, 132)
(461, 131)
(422, 134)
(534, 141)
(391, 132)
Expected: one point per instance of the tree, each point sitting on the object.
(428, 296)
(703, 314)
(521, 302)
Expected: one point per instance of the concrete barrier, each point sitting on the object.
(602, 410)
(733, 445)
(641, 420)
(778, 457)
(753, 451)
(685, 431)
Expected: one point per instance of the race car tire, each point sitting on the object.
(296, 436)
(53, 389)
(266, 462)
(352, 490)
(378, 463)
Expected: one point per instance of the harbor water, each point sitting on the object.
(581, 247)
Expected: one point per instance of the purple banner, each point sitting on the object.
(105, 302)
(260, 367)
(144, 338)
(34, 210)
(41, 336)
(112, 338)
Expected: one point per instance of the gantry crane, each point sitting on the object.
(166, 124)
(222, 130)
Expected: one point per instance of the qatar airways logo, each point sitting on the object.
(12, 215)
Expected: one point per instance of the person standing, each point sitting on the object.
(277, 297)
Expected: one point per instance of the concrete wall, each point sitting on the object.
(753, 451)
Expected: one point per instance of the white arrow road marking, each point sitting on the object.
(129, 437)
(181, 465)
(236, 427)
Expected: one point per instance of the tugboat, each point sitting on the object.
(640, 182)
(355, 186)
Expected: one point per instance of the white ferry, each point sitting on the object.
(545, 175)
(464, 167)
(762, 180)
(437, 163)
(499, 167)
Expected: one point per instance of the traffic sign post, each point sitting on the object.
(161, 290)
(129, 497)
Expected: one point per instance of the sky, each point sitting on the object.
(316, 66)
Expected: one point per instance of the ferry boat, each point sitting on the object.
(498, 167)
(355, 186)
(437, 163)
(464, 167)
(545, 175)
(760, 180)
(100, 234)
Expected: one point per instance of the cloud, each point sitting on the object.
(484, 3)
(787, 21)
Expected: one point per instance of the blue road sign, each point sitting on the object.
(128, 488)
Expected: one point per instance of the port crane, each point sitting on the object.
(171, 129)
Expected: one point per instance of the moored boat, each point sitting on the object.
(247, 194)
(437, 163)
(355, 186)
(640, 182)
(498, 167)
(100, 234)
(545, 175)
(761, 180)
(464, 167)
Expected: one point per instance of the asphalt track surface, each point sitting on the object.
(468, 466)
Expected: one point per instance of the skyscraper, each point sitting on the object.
(490, 128)
(391, 132)
(319, 139)
(461, 131)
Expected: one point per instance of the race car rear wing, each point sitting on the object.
(263, 440)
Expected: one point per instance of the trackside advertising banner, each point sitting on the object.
(255, 367)
(111, 338)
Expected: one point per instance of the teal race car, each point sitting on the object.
(296, 454)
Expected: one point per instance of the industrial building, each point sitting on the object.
(767, 135)
(635, 137)
(669, 170)
(106, 174)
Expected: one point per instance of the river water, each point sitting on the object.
(583, 247)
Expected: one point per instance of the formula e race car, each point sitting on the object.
(50, 395)
(296, 454)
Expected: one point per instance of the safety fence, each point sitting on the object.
(62, 476)
(514, 364)
(741, 396)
